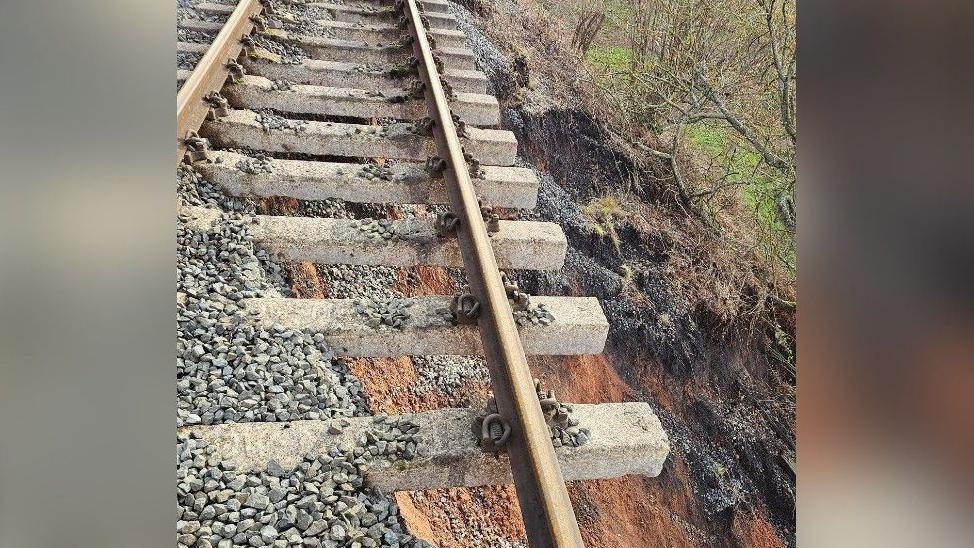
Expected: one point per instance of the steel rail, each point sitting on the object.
(211, 72)
(545, 506)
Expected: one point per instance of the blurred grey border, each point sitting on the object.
(87, 262)
(886, 326)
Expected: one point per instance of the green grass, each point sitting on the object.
(614, 58)
(743, 162)
(761, 193)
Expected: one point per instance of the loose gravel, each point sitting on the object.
(187, 60)
(384, 311)
(193, 189)
(195, 36)
(449, 375)
(379, 230)
(189, 12)
(258, 163)
(230, 370)
(290, 53)
(376, 173)
(305, 20)
(268, 120)
(321, 503)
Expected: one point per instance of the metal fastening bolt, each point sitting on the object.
(491, 219)
(438, 62)
(236, 71)
(219, 106)
(461, 127)
(473, 165)
(197, 148)
(435, 166)
(465, 308)
(510, 286)
(494, 433)
(519, 299)
(249, 46)
(493, 224)
(446, 223)
(549, 406)
(417, 89)
(403, 22)
(424, 126)
(268, 6)
(447, 88)
(259, 21)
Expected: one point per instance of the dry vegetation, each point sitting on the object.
(707, 88)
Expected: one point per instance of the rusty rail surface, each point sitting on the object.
(545, 506)
(211, 72)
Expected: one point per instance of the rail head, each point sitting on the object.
(545, 506)
(211, 72)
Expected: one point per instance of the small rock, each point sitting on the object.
(258, 501)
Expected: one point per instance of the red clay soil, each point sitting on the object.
(632, 510)
(305, 281)
(459, 517)
(386, 382)
(750, 529)
(612, 513)
(625, 512)
(444, 517)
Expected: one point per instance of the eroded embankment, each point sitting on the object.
(728, 481)
(727, 477)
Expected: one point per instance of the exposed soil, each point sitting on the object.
(459, 517)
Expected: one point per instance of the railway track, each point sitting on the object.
(368, 103)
